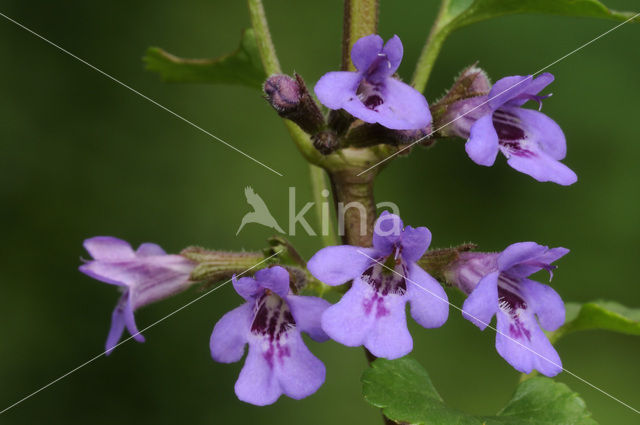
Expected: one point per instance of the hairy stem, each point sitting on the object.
(356, 209)
(271, 66)
(318, 185)
(437, 35)
(353, 194)
(360, 19)
(263, 36)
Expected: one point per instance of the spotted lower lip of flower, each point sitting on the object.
(145, 276)
(532, 142)
(270, 322)
(371, 93)
(372, 312)
(503, 289)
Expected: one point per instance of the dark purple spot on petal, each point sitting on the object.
(372, 101)
(375, 302)
(370, 94)
(508, 127)
(512, 304)
(273, 322)
(385, 281)
(272, 318)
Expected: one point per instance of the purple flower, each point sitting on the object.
(144, 276)
(498, 285)
(270, 322)
(532, 142)
(371, 93)
(372, 312)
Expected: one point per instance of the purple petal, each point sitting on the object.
(508, 88)
(389, 336)
(394, 51)
(151, 278)
(229, 335)
(246, 287)
(482, 304)
(365, 51)
(429, 302)
(103, 272)
(532, 88)
(149, 249)
(337, 90)
(545, 302)
(257, 384)
(415, 242)
(542, 131)
(157, 278)
(403, 107)
(275, 278)
(347, 322)
(553, 254)
(482, 146)
(307, 313)
(543, 168)
(117, 326)
(107, 248)
(387, 232)
(537, 262)
(523, 352)
(355, 107)
(301, 373)
(518, 253)
(335, 265)
(386, 63)
(130, 320)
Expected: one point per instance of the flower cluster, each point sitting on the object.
(491, 118)
(371, 313)
(380, 279)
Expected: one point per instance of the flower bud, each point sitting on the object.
(326, 142)
(282, 92)
(291, 99)
(340, 121)
(463, 104)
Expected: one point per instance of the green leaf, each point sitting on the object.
(243, 66)
(464, 12)
(605, 315)
(403, 390)
(458, 13)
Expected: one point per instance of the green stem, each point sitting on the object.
(263, 37)
(271, 66)
(360, 19)
(318, 185)
(431, 50)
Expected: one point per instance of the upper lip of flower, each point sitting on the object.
(371, 93)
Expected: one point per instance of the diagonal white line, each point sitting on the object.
(501, 333)
(141, 95)
(504, 91)
(132, 336)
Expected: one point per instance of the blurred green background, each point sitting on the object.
(82, 156)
